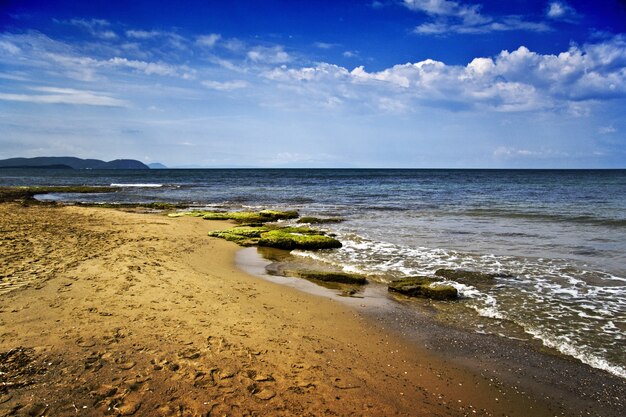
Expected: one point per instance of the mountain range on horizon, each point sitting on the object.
(68, 162)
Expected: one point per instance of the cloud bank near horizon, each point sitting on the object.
(144, 78)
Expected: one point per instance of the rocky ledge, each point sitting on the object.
(255, 230)
(429, 287)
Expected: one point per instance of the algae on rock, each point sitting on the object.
(242, 217)
(278, 237)
(328, 276)
(298, 238)
(242, 235)
(428, 287)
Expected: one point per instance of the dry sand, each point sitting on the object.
(105, 312)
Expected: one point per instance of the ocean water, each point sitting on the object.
(557, 238)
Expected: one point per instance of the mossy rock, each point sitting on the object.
(278, 237)
(243, 217)
(274, 215)
(467, 277)
(318, 220)
(297, 238)
(428, 287)
(328, 276)
(243, 235)
(436, 291)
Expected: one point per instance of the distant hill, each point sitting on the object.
(157, 165)
(68, 162)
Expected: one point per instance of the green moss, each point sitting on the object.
(274, 215)
(243, 217)
(243, 235)
(290, 239)
(318, 220)
(428, 287)
(278, 237)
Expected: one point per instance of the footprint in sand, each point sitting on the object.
(85, 343)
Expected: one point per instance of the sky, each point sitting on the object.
(366, 84)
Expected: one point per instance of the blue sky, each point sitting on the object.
(387, 83)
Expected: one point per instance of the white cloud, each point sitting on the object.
(148, 68)
(56, 95)
(268, 55)
(606, 130)
(559, 10)
(234, 45)
(143, 34)
(208, 40)
(325, 45)
(508, 152)
(9, 47)
(226, 85)
(97, 27)
(520, 80)
(469, 14)
(454, 17)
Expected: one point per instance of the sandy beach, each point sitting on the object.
(106, 312)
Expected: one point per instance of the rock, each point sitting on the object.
(467, 277)
(243, 235)
(189, 353)
(297, 238)
(265, 394)
(129, 407)
(437, 291)
(328, 276)
(35, 410)
(318, 220)
(428, 287)
(243, 217)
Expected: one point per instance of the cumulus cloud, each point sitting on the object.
(449, 16)
(559, 10)
(56, 95)
(519, 80)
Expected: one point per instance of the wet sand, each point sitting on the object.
(105, 312)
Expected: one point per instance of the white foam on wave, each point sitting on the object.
(140, 185)
(563, 345)
(563, 301)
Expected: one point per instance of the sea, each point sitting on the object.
(555, 238)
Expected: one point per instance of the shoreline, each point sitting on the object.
(138, 314)
(527, 365)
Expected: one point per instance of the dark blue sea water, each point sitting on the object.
(557, 237)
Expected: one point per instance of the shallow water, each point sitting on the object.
(557, 237)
